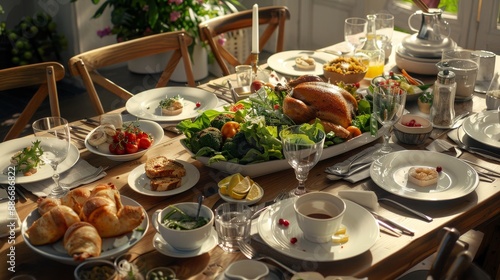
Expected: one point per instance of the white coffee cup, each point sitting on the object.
(319, 215)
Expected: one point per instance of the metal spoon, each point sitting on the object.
(200, 200)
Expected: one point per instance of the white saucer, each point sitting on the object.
(163, 247)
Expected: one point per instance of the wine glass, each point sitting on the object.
(384, 25)
(388, 106)
(302, 146)
(54, 136)
(355, 32)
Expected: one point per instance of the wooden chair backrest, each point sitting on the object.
(274, 17)
(86, 64)
(45, 75)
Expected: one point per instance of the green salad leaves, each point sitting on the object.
(27, 160)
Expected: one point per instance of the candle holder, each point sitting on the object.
(254, 61)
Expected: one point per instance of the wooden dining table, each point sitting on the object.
(388, 258)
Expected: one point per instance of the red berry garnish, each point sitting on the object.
(439, 169)
(286, 223)
(198, 104)
(391, 73)
(293, 240)
(357, 85)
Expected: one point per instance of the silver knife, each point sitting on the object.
(393, 224)
(389, 229)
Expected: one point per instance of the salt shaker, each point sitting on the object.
(443, 110)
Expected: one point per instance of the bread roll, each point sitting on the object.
(82, 241)
(52, 225)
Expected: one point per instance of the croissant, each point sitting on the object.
(47, 203)
(52, 225)
(82, 241)
(75, 198)
(104, 210)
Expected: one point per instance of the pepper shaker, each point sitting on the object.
(443, 110)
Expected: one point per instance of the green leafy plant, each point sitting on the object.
(137, 18)
(34, 39)
(426, 97)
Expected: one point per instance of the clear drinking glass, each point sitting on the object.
(54, 136)
(384, 24)
(388, 106)
(302, 149)
(355, 32)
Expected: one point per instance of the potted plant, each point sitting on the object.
(136, 18)
(425, 102)
(33, 39)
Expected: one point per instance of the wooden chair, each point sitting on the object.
(45, 75)
(86, 64)
(274, 17)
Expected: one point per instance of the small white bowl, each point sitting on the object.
(412, 135)
(150, 127)
(185, 240)
(246, 270)
(423, 66)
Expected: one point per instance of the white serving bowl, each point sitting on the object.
(185, 240)
(150, 127)
(412, 135)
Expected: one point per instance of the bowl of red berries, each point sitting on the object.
(412, 129)
(128, 142)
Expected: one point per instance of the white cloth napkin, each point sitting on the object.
(365, 172)
(9, 220)
(70, 179)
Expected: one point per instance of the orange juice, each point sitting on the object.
(374, 70)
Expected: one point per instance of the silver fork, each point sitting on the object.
(252, 254)
(344, 167)
(280, 196)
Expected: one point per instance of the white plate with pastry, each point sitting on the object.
(285, 62)
(141, 183)
(9, 148)
(111, 247)
(455, 178)
(145, 105)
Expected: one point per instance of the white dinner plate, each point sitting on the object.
(284, 62)
(163, 247)
(145, 104)
(139, 182)
(457, 178)
(361, 227)
(484, 127)
(9, 148)
(111, 247)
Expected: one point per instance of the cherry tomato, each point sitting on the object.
(112, 148)
(230, 129)
(131, 147)
(131, 137)
(144, 143)
(276, 107)
(120, 149)
(119, 136)
(142, 134)
(236, 107)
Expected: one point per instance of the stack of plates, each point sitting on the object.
(420, 56)
(484, 127)
(414, 64)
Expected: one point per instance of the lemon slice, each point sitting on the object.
(243, 186)
(340, 238)
(342, 230)
(223, 189)
(238, 196)
(254, 193)
(235, 180)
